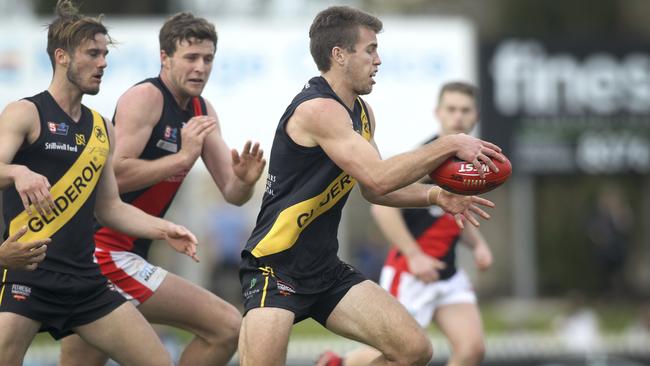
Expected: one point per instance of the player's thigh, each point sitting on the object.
(372, 316)
(461, 324)
(182, 304)
(17, 333)
(126, 336)
(77, 352)
(264, 337)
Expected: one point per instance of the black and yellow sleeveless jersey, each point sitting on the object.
(71, 156)
(296, 229)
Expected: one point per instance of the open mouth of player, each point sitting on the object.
(372, 76)
(196, 81)
(98, 77)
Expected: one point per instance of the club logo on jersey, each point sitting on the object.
(20, 292)
(253, 282)
(58, 128)
(171, 134)
(80, 139)
(99, 133)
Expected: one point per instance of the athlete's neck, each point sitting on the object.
(68, 97)
(181, 99)
(341, 89)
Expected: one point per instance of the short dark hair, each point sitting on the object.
(460, 87)
(338, 26)
(185, 27)
(70, 28)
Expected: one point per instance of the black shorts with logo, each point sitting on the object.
(264, 286)
(59, 301)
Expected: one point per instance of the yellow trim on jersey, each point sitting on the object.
(4, 278)
(266, 284)
(267, 272)
(71, 191)
(365, 124)
(293, 220)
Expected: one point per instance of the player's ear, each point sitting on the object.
(164, 59)
(61, 57)
(338, 56)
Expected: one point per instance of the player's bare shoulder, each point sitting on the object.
(143, 101)
(319, 108)
(21, 117)
(316, 117)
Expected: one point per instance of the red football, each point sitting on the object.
(461, 177)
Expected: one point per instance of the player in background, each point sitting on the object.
(162, 127)
(420, 271)
(56, 173)
(322, 147)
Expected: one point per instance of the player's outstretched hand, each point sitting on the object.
(182, 240)
(24, 256)
(34, 188)
(478, 152)
(463, 207)
(248, 165)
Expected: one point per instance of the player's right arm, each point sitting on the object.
(326, 123)
(19, 126)
(137, 112)
(392, 225)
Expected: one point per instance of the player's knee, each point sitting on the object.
(422, 352)
(76, 352)
(231, 325)
(416, 351)
(470, 354)
(225, 332)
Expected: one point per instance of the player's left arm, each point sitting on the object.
(424, 195)
(472, 237)
(235, 174)
(112, 212)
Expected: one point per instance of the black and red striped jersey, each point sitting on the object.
(155, 200)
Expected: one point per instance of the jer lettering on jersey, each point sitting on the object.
(333, 192)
